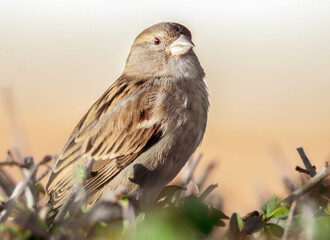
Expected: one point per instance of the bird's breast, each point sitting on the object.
(185, 107)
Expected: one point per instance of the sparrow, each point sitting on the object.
(145, 126)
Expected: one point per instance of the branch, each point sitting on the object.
(319, 177)
(105, 210)
(11, 161)
(45, 173)
(309, 167)
(31, 192)
(44, 161)
(18, 191)
(6, 183)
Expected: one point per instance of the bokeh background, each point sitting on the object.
(267, 66)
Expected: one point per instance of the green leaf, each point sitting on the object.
(124, 202)
(327, 210)
(269, 206)
(274, 230)
(41, 188)
(21, 207)
(321, 228)
(125, 226)
(199, 215)
(139, 218)
(236, 225)
(80, 173)
(67, 215)
(164, 224)
(14, 230)
(257, 234)
(84, 208)
(102, 224)
(240, 222)
(2, 199)
(297, 221)
(281, 212)
(42, 224)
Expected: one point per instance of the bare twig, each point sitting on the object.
(289, 221)
(309, 167)
(106, 209)
(44, 161)
(207, 191)
(10, 161)
(18, 191)
(301, 170)
(319, 177)
(31, 193)
(45, 173)
(29, 221)
(189, 169)
(205, 174)
(6, 183)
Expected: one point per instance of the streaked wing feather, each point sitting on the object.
(113, 132)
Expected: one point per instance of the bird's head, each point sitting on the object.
(163, 50)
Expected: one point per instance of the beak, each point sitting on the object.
(181, 46)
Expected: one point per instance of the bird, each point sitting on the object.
(145, 126)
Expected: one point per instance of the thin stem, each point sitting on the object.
(319, 177)
(289, 221)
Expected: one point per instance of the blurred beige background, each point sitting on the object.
(267, 66)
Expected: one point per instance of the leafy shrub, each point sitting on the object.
(180, 212)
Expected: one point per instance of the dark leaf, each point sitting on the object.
(219, 214)
(254, 213)
(253, 224)
(235, 225)
(199, 215)
(168, 191)
(216, 215)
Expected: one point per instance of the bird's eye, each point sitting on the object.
(156, 41)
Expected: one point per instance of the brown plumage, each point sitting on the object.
(144, 128)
